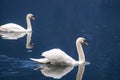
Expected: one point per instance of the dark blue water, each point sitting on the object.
(58, 24)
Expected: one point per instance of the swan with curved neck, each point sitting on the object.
(12, 27)
(59, 57)
(80, 51)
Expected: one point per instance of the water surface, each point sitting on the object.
(58, 24)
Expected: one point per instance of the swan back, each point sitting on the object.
(57, 56)
(11, 27)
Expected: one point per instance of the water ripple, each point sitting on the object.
(15, 66)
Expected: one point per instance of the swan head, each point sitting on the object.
(30, 16)
(81, 40)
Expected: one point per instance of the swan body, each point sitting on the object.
(55, 56)
(12, 27)
(59, 57)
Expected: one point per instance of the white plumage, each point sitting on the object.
(55, 57)
(59, 57)
(12, 27)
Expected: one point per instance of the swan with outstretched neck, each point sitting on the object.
(12, 27)
(59, 57)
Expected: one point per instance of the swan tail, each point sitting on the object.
(41, 61)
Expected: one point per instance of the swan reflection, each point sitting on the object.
(28, 41)
(58, 71)
(54, 71)
(17, 35)
(81, 69)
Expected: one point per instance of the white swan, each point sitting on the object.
(59, 57)
(12, 27)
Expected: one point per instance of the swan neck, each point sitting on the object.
(80, 51)
(29, 28)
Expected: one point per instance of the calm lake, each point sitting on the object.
(57, 24)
